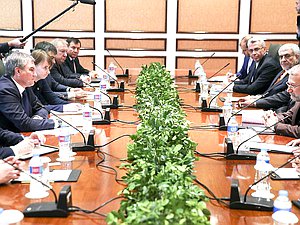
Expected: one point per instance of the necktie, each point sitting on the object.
(252, 72)
(74, 65)
(283, 74)
(26, 103)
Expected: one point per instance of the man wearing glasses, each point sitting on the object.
(262, 72)
(289, 55)
(290, 124)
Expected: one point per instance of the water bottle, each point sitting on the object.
(213, 93)
(112, 69)
(103, 84)
(87, 118)
(198, 69)
(36, 171)
(262, 167)
(227, 110)
(98, 99)
(282, 202)
(232, 131)
(64, 142)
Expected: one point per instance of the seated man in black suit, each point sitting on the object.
(61, 72)
(261, 74)
(289, 55)
(290, 124)
(60, 90)
(19, 107)
(14, 144)
(72, 60)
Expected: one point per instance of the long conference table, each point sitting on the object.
(98, 184)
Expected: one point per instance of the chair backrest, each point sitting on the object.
(2, 68)
(273, 51)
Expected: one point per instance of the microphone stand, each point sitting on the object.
(229, 150)
(126, 73)
(192, 74)
(249, 202)
(75, 146)
(120, 87)
(209, 109)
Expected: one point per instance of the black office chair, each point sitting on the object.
(273, 51)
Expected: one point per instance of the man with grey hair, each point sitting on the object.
(290, 124)
(289, 55)
(19, 107)
(262, 72)
(61, 72)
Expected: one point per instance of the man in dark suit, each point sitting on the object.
(248, 61)
(261, 73)
(290, 124)
(4, 47)
(19, 108)
(289, 55)
(61, 72)
(72, 60)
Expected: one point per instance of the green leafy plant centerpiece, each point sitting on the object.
(160, 188)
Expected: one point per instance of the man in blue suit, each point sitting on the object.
(19, 107)
(289, 55)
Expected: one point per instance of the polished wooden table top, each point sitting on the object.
(97, 185)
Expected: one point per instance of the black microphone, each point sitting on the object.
(103, 120)
(120, 87)
(246, 106)
(192, 74)
(229, 150)
(252, 203)
(58, 208)
(90, 2)
(126, 73)
(209, 109)
(75, 146)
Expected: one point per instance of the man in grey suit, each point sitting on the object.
(289, 122)
(289, 55)
(261, 73)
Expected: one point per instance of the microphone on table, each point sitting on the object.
(113, 104)
(126, 73)
(248, 202)
(120, 86)
(209, 109)
(224, 126)
(229, 150)
(103, 120)
(85, 146)
(58, 208)
(192, 74)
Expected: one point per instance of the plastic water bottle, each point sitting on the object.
(198, 69)
(282, 202)
(112, 69)
(87, 118)
(232, 131)
(103, 84)
(64, 141)
(36, 171)
(262, 167)
(98, 99)
(213, 93)
(227, 110)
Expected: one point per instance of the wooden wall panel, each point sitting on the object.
(270, 41)
(207, 45)
(135, 44)
(273, 16)
(211, 66)
(86, 61)
(214, 16)
(134, 61)
(86, 43)
(81, 18)
(135, 15)
(11, 15)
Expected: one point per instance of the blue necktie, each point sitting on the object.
(252, 72)
(26, 103)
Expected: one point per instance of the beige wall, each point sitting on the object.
(140, 31)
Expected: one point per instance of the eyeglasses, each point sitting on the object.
(286, 56)
(292, 86)
(255, 50)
